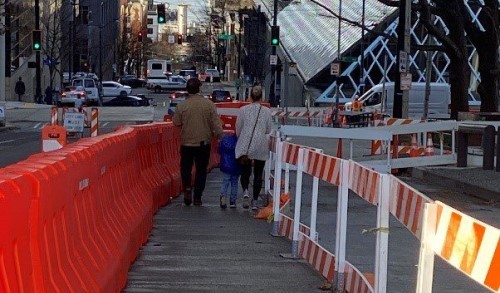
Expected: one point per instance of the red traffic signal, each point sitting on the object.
(179, 39)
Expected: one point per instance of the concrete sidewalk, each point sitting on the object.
(207, 249)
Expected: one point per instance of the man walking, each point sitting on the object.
(20, 89)
(199, 122)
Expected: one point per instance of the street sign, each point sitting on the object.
(335, 68)
(74, 122)
(349, 59)
(225, 37)
(403, 61)
(273, 59)
(405, 81)
(171, 39)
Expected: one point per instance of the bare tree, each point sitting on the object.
(51, 21)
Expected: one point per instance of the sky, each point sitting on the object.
(197, 9)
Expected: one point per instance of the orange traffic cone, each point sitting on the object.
(414, 147)
(429, 149)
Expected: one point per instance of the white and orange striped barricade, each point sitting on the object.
(374, 188)
(355, 281)
(53, 116)
(467, 244)
(286, 153)
(378, 148)
(85, 115)
(94, 122)
(270, 172)
(53, 137)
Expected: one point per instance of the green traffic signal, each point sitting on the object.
(161, 19)
(36, 38)
(274, 41)
(275, 35)
(36, 46)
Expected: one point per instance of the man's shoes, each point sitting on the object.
(188, 196)
(222, 201)
(246, 200)
(232, 204)
(197, 200)
(254, 205)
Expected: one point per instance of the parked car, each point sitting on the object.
(114, 89)
(132, 81)
(221, 96)
(71, 94)
(212, 74)
(127, 101)
(158, 84)
(188, 73)
(150, 101)
(175, 99)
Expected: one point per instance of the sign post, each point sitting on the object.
(74, 122)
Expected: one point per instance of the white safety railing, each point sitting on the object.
(476, 249)
(386, 134)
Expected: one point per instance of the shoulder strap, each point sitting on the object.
(253, 130)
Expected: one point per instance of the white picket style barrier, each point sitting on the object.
(413, 209)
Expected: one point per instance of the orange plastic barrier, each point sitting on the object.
(74, 219)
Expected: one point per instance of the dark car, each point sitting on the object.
(175, 99)
(127, 101)
(149, 101)
(132, 81)
(218, 96)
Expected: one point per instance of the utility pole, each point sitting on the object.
(72, 39)
(401, 97)
(274, 102)
(240, 19)
(100, 41)
(38, 77)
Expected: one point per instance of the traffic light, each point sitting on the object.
(139, 37)
(162, 18)
(179, 39)
(36, 37)
(275, 35)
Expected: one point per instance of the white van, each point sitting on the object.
(439, 99)
(91, 88)
(159, 67)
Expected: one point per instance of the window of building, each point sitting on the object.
(150, 21)
(150, 31)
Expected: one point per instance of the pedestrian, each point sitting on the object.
(199, 122)
(48, 95)
(20, 89)
(230, 169)
(252, 149)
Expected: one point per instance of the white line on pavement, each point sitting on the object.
(104, 124)
(6, 141)
(38, 124)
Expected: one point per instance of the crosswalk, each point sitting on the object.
(40, 125)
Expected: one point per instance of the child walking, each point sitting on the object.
(230, 168)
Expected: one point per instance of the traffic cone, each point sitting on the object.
(414, 147)
(429, 149)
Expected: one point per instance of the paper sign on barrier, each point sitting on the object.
(74, 122)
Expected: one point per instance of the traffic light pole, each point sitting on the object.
(38, 77)
(274, 102)
(401, 97)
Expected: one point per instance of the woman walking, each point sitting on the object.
(252, 149)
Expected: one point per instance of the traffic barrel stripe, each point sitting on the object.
(94, 124)
(469, 245)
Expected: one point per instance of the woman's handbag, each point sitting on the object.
(244, 160)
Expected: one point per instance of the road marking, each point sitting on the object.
(6, 141)
(104, 124)
(38, 124)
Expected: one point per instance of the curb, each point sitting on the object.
(467, 188)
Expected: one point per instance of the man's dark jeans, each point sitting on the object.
(200, 155)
